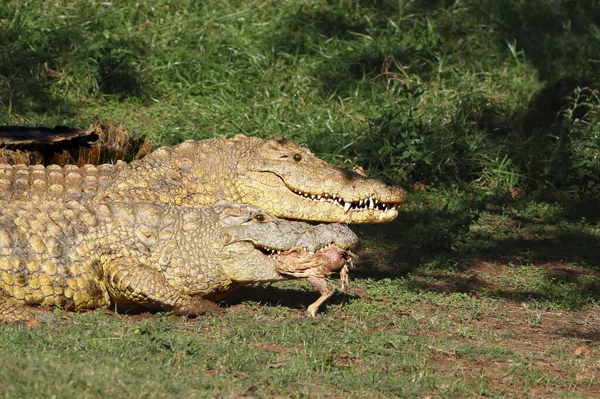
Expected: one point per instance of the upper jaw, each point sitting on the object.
(367, 203)
(270, 191)
(332, 213)
(317, 238)
(332, 208)
(358, 200)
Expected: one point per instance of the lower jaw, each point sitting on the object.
(368, 217)
(334, 215)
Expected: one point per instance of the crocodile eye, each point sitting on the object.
(260, 218)
(297, 157)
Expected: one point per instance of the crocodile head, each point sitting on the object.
(258, 247)
(291, 182)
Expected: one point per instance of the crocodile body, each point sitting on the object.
(275, 175)
(84, 256)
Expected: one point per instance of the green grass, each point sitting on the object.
(489, 94)
(484, 285)
(282, 353)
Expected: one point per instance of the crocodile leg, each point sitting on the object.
(13, 312)
(129, 281)
(326, 290)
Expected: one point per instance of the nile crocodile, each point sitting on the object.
(86, 256)
(275, 175)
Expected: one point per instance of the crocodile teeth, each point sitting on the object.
(347, 206)
(363, 204)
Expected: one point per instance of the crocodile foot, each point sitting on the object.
(13, 312)
(197, 306)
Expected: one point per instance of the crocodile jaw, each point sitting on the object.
(321, 263)
(251, 263)
(291, 182)
(281, 198)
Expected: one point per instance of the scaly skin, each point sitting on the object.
(80, 256)
(275, 175)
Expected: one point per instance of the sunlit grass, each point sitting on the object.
(486, 111)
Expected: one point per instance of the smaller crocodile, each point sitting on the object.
(165, 257)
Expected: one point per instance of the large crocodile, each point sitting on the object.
(275, 175)
(159, 256)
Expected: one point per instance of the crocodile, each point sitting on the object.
(275, 175)
(85, 256)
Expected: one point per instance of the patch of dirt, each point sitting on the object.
(269, 347)
(557, 270)
(554, 343)
(248, 392)
(347, 360)
(561, 346)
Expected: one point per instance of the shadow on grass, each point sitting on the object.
(266, 294)
(36, 68)
(557, 37)
(26, 76)
(273, 295)
(309, 30)
(445, 249)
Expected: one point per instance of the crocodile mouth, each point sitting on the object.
(365, 204)
(274, 253)
(325, 207)
(302, 262)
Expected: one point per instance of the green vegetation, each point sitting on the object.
(488, 284)
(491, 94)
